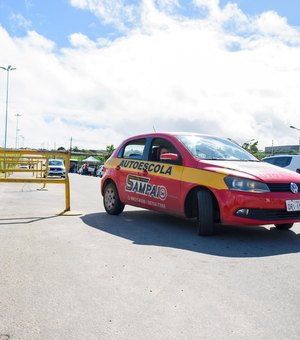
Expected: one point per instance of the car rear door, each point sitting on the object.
(130, 163)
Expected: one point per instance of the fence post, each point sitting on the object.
(67, 182)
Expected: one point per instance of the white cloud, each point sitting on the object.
(19, 20)
(271, 24)
(81, 40)
(235, 76)
(211, 5)
(115, 12)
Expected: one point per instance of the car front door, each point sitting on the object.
(162, 177)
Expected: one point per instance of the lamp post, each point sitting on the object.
(7, 69)
(293, 127)
(17, 129)
(23, 138)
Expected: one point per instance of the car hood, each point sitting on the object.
(260, 171)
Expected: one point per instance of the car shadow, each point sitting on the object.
(155, 229)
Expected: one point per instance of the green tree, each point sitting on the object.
(109, 150)
(253, 149)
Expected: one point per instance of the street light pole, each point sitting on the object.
(17, 129)
(293, 127)
(7, 69)
(23, 138)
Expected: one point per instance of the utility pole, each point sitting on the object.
(23, 138)
(293, 127)
(17, 130)
(7, 69)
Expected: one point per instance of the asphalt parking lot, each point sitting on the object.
(140, 275)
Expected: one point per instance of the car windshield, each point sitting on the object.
(56, 162)
(214, 148)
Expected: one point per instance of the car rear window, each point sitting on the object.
(279, 161)
(134, 149)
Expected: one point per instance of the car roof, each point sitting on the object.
(170, 134)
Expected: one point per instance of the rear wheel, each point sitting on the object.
(205, 216)
(285, 226)
(111, 200)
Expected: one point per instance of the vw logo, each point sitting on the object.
(294, 188)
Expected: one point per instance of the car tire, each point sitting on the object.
(284, 226)
(111, 200)
(205, 215)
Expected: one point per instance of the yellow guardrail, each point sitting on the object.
(16, 161)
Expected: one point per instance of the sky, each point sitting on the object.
(100, 71)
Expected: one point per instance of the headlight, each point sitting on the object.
(243, 184)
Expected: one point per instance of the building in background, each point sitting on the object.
(282, 149)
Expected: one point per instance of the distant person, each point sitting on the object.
(85, 169)
(95, 170)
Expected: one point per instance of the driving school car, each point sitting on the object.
(201, 176)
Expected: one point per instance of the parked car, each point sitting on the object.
(91, 169)
(204, 177)
(56, 167)
(100, 171)
(290, 162)
(24, 166)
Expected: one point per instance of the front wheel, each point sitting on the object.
(205, 216)
(285, 226)
(111, 200)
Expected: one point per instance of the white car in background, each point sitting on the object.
(24, 166)
(100, 171)
(56, 167)
(290, 162)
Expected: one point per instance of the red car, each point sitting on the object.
(200, 176)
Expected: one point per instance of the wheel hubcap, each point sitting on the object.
(110, 198)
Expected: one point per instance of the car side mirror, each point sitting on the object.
(169, 157)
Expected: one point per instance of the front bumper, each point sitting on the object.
(256, 209)
(56, 172)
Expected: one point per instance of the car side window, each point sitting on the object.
(282, 161)
(279, 161)
(161, 146)
(134, 149)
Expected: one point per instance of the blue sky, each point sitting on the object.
(57, 19)
(101, 70)
(286, 8)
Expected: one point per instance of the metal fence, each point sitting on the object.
(31, 166)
